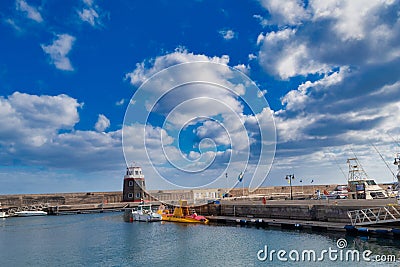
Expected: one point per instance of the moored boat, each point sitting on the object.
(359, 185)
(3, 214)
(144, 213)
(28, 213)
(181, 214)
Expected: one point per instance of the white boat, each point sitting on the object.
(3, 214)
(28, 213)
(360, 185)
(144, 214)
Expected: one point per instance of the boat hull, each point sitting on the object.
(183, 219)
(143, 214)
(30, 213)
(153, 217)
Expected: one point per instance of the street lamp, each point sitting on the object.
(226, 185)
(289, 177)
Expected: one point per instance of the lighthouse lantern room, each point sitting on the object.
(134, 186)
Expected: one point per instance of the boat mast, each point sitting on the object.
(397, 163)
(356, 171)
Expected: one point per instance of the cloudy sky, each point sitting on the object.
(327, 72)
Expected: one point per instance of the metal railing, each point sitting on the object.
(377, 215)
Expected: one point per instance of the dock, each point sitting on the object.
(303, 215)
(73, 209)
(382, 231)
(279, 223)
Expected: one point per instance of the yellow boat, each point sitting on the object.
(181, 214)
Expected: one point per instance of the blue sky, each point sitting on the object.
(328, 69)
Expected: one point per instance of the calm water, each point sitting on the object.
(106, 240)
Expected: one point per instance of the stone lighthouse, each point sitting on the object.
(134, 187)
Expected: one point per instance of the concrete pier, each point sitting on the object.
(382, 231)
(63, 203)
(308, 210)
(312, 215)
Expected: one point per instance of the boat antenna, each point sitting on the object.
(387, 165)
(391, 136)
(337, 164)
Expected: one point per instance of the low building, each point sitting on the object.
(193, 197)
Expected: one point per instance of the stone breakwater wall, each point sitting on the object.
(55, 199)
(293, 212)
(297, 190)
(324, 211)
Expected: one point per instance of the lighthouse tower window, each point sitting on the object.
(130, 183)
(130, 195)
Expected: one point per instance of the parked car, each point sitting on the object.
(340, 192)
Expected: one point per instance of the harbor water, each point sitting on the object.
(106, 240)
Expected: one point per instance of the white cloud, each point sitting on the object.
(102, 123)
(31, 121)
(228, 34)
(299, 99)
(143, 72)
(311, 123)
(88, 2)
(351, 18)
(362, 33)
(38, 132)
(40, 112)
(31, 12)
(197, 101)
(260, 39)
(291, 129)
(252, 56)
(144, 142)
(262, 93)
(120, 102)
(263, 21)
(58, 51)
(284, 55)
(90, 13)
(35, 120)
(243, 68)
(13, 24)
(290, 12)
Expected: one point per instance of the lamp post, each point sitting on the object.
(226, 185)
(289, 177)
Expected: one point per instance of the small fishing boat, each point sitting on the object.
(144, 213)
(360, 186)
(29, 213)
(181, 214)
(3, 214)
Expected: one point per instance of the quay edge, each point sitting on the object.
(308, 210)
